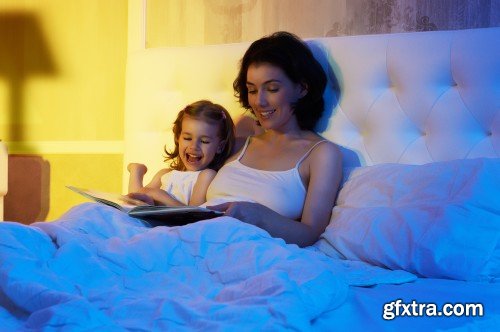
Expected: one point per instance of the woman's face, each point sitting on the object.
(271, 95)
(198, 143)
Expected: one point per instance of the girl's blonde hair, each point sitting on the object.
(209, 112)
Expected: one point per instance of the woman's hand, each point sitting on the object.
(248, 212)
(274, 223)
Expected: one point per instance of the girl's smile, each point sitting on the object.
(198, 143)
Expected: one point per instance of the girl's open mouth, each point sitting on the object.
(193, 158)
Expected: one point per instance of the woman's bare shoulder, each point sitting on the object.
(315, 139)
(326, 152)
(321, 149)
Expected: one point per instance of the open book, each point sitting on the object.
(154, 215)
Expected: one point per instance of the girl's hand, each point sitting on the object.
(155, 196)
(146, 194)
(142, 197)
(136, 168)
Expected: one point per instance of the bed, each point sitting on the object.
(413, 242)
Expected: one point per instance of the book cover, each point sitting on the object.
(154, 215)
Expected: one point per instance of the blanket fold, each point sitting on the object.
(97, 268)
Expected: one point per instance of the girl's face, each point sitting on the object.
(271, 94)
(199, 141)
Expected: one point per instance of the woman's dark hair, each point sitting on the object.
(209, 112)
(289, 53)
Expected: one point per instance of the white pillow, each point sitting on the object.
(438, 220)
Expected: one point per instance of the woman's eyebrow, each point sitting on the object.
(266, 82)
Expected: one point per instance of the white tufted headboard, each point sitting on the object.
(404, 98)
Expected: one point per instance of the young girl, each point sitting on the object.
(204, 138)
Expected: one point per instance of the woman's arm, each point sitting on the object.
(274, 223)
(199, 194)
(325, 169)
(324, 182)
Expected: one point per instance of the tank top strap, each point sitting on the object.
(244, 148)
(309, 152)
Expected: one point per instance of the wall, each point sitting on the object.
(62, 66)
(196, 22)
(62, 77)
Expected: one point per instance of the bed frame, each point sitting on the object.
(404, 98)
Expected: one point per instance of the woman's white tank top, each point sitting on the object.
(281, 191)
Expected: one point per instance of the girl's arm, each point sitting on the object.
(325, 175)
(161, 197)
(153, 194)
(135, 180)
(199, 194)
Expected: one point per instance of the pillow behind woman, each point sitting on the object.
(439, 220)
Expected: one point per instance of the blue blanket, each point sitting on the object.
(97, 268)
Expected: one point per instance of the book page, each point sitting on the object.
(118, 201)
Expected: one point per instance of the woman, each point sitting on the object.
(288, 173)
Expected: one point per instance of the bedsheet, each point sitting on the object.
(363, 309)
(97, 268)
